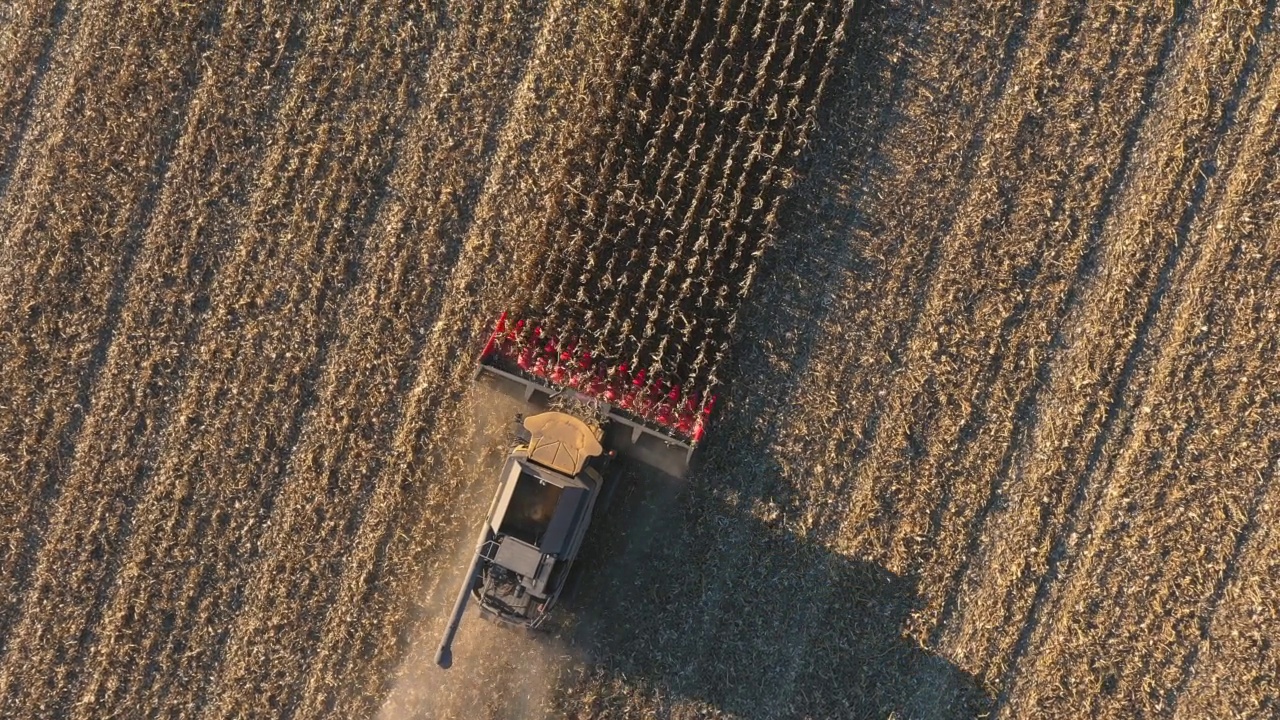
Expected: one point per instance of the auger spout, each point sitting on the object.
(444, 655)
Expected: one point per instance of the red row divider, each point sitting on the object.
(684, 413)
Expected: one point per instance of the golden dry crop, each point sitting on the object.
(988, 291)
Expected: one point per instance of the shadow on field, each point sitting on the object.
(688, 599)
(694, 599)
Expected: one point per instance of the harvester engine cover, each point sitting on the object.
(547, 490)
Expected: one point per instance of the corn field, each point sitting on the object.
(971, 309)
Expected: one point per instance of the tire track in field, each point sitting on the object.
(1240, 541)
(1059, 300)
(400, 295)
(397, 534)
(27, 420)
(1180, 598)
(1129, 523)
(257, 358)
(1220, 161)
(146, 529)
(202, 398)
(1203, 192)
(135, 233)
(70, 63)
(1119, 403)
(1011, 572)
(887, 330)
(1243, 611)
(1234, 664)
(327, 483)
(168, 305)
(1009, 312)
(958, 440)
(95, 341)
(24, 62)
(1026, 406)
(971, 253)
(1004, 328)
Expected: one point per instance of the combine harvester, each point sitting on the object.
(591, 412)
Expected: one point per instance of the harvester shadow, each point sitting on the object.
(695, 597)
(689, 599)
(696, 594)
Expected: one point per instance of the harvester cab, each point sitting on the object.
(553, 476)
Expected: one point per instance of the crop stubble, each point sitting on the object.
(76, 205)
(302, 223)
(1088, 396)
(247, 255)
